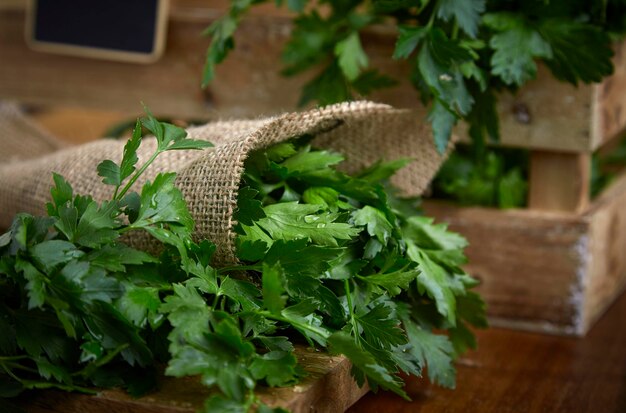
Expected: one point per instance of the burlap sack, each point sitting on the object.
(363, 131)
(21, 138)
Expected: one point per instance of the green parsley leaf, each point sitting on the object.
(299, 257)
(97, 225)
(303, 318)
(393, 282)
(342, 343)
(580, 51)
(249, 208)
(277, 368)
(432, 278)
(138, 304)
(516, 45)
(380, 328)
(306, 161)
(443, 120)
(375, 221)
(273, 298)
(433, 350)
(426, 234)
(291, 220)
(110, 171)
(466, 13)
(351, 57)
(408, 39)
(162, 202)
(328, 87)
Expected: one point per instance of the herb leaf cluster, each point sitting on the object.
(461, 52)
(495, 177)
(327, 260)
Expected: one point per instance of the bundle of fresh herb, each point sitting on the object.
(461, 52)
(329, 259)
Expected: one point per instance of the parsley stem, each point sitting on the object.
(431, 21)
(10, 373)
(20, 367)
(455, 31)
(138, 174)
(424, 6)
(12, 358)
(240, 268)
(346, 284)
(216, 300)
(302, 326)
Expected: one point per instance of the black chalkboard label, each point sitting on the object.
(113, 29)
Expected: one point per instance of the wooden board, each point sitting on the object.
(545, 114)
(559, 181)
(541, 271)
(328, 388)
(606, 276)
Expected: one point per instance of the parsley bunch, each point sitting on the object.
(461, 52)
(328, 260)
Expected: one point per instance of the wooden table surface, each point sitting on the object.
(522, 372)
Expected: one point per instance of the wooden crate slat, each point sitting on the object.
(527, 262)
(606, 278)
(609, 103)
(559, 181)
(545, 271)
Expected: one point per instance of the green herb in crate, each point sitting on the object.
(326, 259)
(461, 52)
(495, 177)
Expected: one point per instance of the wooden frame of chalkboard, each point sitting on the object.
(44, 39)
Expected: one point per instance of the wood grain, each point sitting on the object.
(328, 388)
(77, 125)
(606, 278)
(609, 104)
(545, 114)
(517, 372)
(527, 262)
(552, 272)
(559, 181)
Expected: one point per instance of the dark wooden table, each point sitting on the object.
(523, 372)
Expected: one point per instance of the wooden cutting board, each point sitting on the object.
(329, 388)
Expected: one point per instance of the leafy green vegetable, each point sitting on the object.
(495, 177)
(515, 46)
(461, 52)
(327, 260)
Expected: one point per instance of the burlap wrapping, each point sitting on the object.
(363, 131)
(20, 137)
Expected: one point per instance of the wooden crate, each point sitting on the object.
(562, 267)
(553, 272)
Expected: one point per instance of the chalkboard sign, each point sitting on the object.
(130, 30)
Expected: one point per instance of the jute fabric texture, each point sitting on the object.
(364, 132)
(20, 137)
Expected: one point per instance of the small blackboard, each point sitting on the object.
(129, 30)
